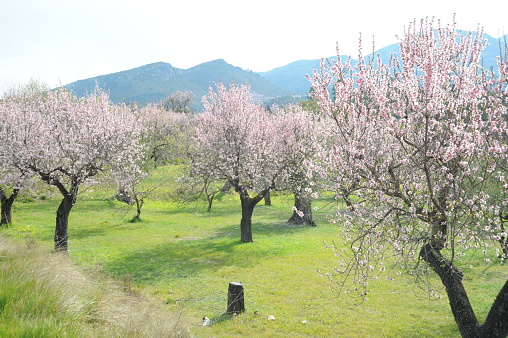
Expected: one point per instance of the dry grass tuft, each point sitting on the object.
(45, 294)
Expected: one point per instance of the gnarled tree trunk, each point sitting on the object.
(139, 205)
(496, 324)
(268, 199)
(302, 204)
(6, 206)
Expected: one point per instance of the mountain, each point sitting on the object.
(152, 82)
(293, 75)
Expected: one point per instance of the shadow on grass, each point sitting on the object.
(189, 257)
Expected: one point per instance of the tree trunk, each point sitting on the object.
(248, 205)
(496, 324)
(302, 204)
(64, 209)
(62, 224)
(503, 239)
(139, 205)
(268, 199)
(6, 206)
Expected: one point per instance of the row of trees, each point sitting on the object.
(69, 142)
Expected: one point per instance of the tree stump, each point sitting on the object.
(236, 302)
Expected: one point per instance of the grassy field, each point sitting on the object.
(183, 257)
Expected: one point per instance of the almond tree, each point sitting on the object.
(239, 142)
(167, 133)
(68, 142)
(307, 133)
(418, 146)
(178, 102)
(167, 137)
(13, 179)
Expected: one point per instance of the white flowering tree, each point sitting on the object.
(68, 141)
(418, 149)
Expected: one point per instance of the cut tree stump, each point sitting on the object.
(236, 302)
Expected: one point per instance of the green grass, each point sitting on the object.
(184, 257)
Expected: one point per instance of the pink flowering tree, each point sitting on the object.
(417, 149)
(307, 134)
(68, 142)
(241, 143)
(12, 179)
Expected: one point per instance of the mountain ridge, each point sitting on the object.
(154, 81)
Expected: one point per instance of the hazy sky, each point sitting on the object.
(61, 41)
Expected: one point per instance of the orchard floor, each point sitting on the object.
(184, 257)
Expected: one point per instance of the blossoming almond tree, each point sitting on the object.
(419, 142)
(69, 141)
(239, 142)
(306, 131)
(12, 179)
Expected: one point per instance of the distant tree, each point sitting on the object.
(419, 146)
(167, 138)
(167, 134)
(309, 105)
(241, 143)
(69, 141)
(178, 102)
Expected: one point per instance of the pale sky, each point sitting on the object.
(61, 41)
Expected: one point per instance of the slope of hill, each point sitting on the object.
(292, 76)
(152, 82)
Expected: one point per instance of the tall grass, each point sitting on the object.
(43, 294)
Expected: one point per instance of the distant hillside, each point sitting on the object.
(292, 76)
(150, 83)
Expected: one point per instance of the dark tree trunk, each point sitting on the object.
(248, 205)
(503, 240)
(302, 204)
(62, 223)
(211, 195)
(6, 206)
(496, 324)
(64, 209)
